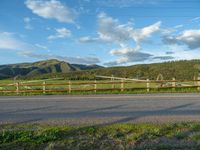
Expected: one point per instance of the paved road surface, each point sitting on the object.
(100, 109)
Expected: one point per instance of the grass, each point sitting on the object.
(118, 136)
(139, 88)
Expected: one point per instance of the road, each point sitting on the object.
(100, 109)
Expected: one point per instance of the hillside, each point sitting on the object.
(40, 68)
(183, 70)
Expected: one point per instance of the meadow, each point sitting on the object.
(48, 87)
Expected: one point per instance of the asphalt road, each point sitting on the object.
(100, 109)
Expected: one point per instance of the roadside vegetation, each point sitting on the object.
(118, 136)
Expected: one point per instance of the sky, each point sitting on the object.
(103, 32)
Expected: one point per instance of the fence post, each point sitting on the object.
(17, 87)
(174, 83)
(44, 87)
(198, 83)
(112, 80)
(95, 86)
(148, 85)
(69, 86)
(122, 85)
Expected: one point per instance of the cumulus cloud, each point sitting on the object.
(112, 31)
(122, 51)
(138, 35)
(60, 33)
(109, 30)
(52, 9)
(138, 57)
(75, 60)
(191, 38)
(141, 34)
(130, 57)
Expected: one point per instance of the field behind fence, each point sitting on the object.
(98, 86)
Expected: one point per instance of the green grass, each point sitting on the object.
(118, 136)
(138, 88)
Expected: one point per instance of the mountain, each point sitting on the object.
(181, 70)
(86, 67)
(52, 66)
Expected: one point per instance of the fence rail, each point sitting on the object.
(95, 86)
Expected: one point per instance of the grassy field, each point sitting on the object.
(119, 136)
(136, 87)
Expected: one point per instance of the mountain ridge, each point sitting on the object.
(183, 70)
(41, 67)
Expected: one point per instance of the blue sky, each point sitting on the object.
(104, 32)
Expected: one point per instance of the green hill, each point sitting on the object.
(182, 70)
(30, 70)
(179, 69)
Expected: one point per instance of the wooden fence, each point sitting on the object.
(95, 86)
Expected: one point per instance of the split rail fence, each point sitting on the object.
(95, 86)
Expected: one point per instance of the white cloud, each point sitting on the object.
(140, 34)
(88, 39)
(8, 41)
(60, 33)
(27, 21)
(122, 51)
(111, 31)
(52, 9)
(180, 54)
(41, 46)
(178, 26)
(195, 19)
(74, 60)
(191, 38)
(129, 58)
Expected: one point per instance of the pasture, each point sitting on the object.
(60, 86)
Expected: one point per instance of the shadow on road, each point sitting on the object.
(118, 112)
